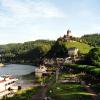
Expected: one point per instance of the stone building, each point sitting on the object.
(73, 52)
(67, 37)
(40, 70)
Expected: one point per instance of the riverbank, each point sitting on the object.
(2, 65)
(24, 73)
(29, 77)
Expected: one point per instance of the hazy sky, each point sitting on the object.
(27, 20)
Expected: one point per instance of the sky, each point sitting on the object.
(29, 20)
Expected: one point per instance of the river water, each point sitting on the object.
(16, 69)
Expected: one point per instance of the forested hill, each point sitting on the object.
(28, 52)
(92, 39)
(34, 51)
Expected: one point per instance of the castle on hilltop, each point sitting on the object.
(67, 38)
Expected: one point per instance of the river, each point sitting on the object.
(16, 69)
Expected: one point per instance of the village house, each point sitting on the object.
(73, 55)
(73, 52)
(40, 70)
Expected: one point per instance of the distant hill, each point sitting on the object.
(28, 52)
(92, 39)
(34, 51)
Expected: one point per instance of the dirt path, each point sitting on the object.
(38, 96)
(42, 93)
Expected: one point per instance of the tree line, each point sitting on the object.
(28, 52)
(34, 51)
(92, 39)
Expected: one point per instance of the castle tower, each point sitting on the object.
(68, 32)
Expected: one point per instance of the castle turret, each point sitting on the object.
(68, 37)
(68, 32)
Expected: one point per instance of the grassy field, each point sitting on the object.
(84, 48)
(68, 91)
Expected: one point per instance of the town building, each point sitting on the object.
(40, 70)
(73, 52)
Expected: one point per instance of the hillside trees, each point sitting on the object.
(93, 57)
(92, 39)
(58, 50)
(28, 52)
